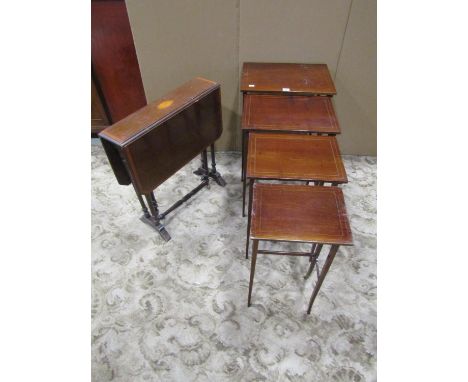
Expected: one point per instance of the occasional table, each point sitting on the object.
(299, 214)
(149, 146)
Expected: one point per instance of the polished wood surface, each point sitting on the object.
(295, 157)
(157, 112)
(311, 79)
(159, 139)
(283, 212)
(289, 113)
(114, 59)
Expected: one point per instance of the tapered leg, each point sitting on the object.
(244, 168)
(326, 267)
(252, 268)
(244, 186)
(312, 251)
(243, 159)
(245, 152)
(313, 259)
(251, 187)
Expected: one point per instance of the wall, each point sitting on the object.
(177, 40)
(356, 81)
(180, 39)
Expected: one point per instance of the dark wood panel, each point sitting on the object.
(114, 59)
(134, 125)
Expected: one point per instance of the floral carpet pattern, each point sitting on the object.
(177, 311)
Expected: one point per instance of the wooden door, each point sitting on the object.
(114, 61)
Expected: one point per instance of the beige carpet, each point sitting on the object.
(177, 311)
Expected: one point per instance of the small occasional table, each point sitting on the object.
(300, 214)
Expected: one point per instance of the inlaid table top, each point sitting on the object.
(294, 157)
(312, 214)
(150, 116)
(289, 113)
(311, 79)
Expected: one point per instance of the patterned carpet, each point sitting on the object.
(177, 311)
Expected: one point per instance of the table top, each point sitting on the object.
(289, 113)
(312, 214)
(287, 78)
(138, 123)
(294, 157)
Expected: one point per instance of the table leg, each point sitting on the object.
(203, 169)
(323, 273)
(251, 187)
(143, 206)
(313, 259)
(245, 152)
(244, 186)
(252, 268)
(156, 222)
(312, 251)
(243, 159)
(205, 164)
(214, 174)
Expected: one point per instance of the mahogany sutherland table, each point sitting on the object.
(303, 214)
(150, 145)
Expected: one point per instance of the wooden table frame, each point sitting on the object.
(249, 215)
(150, 145)
(317, 216)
